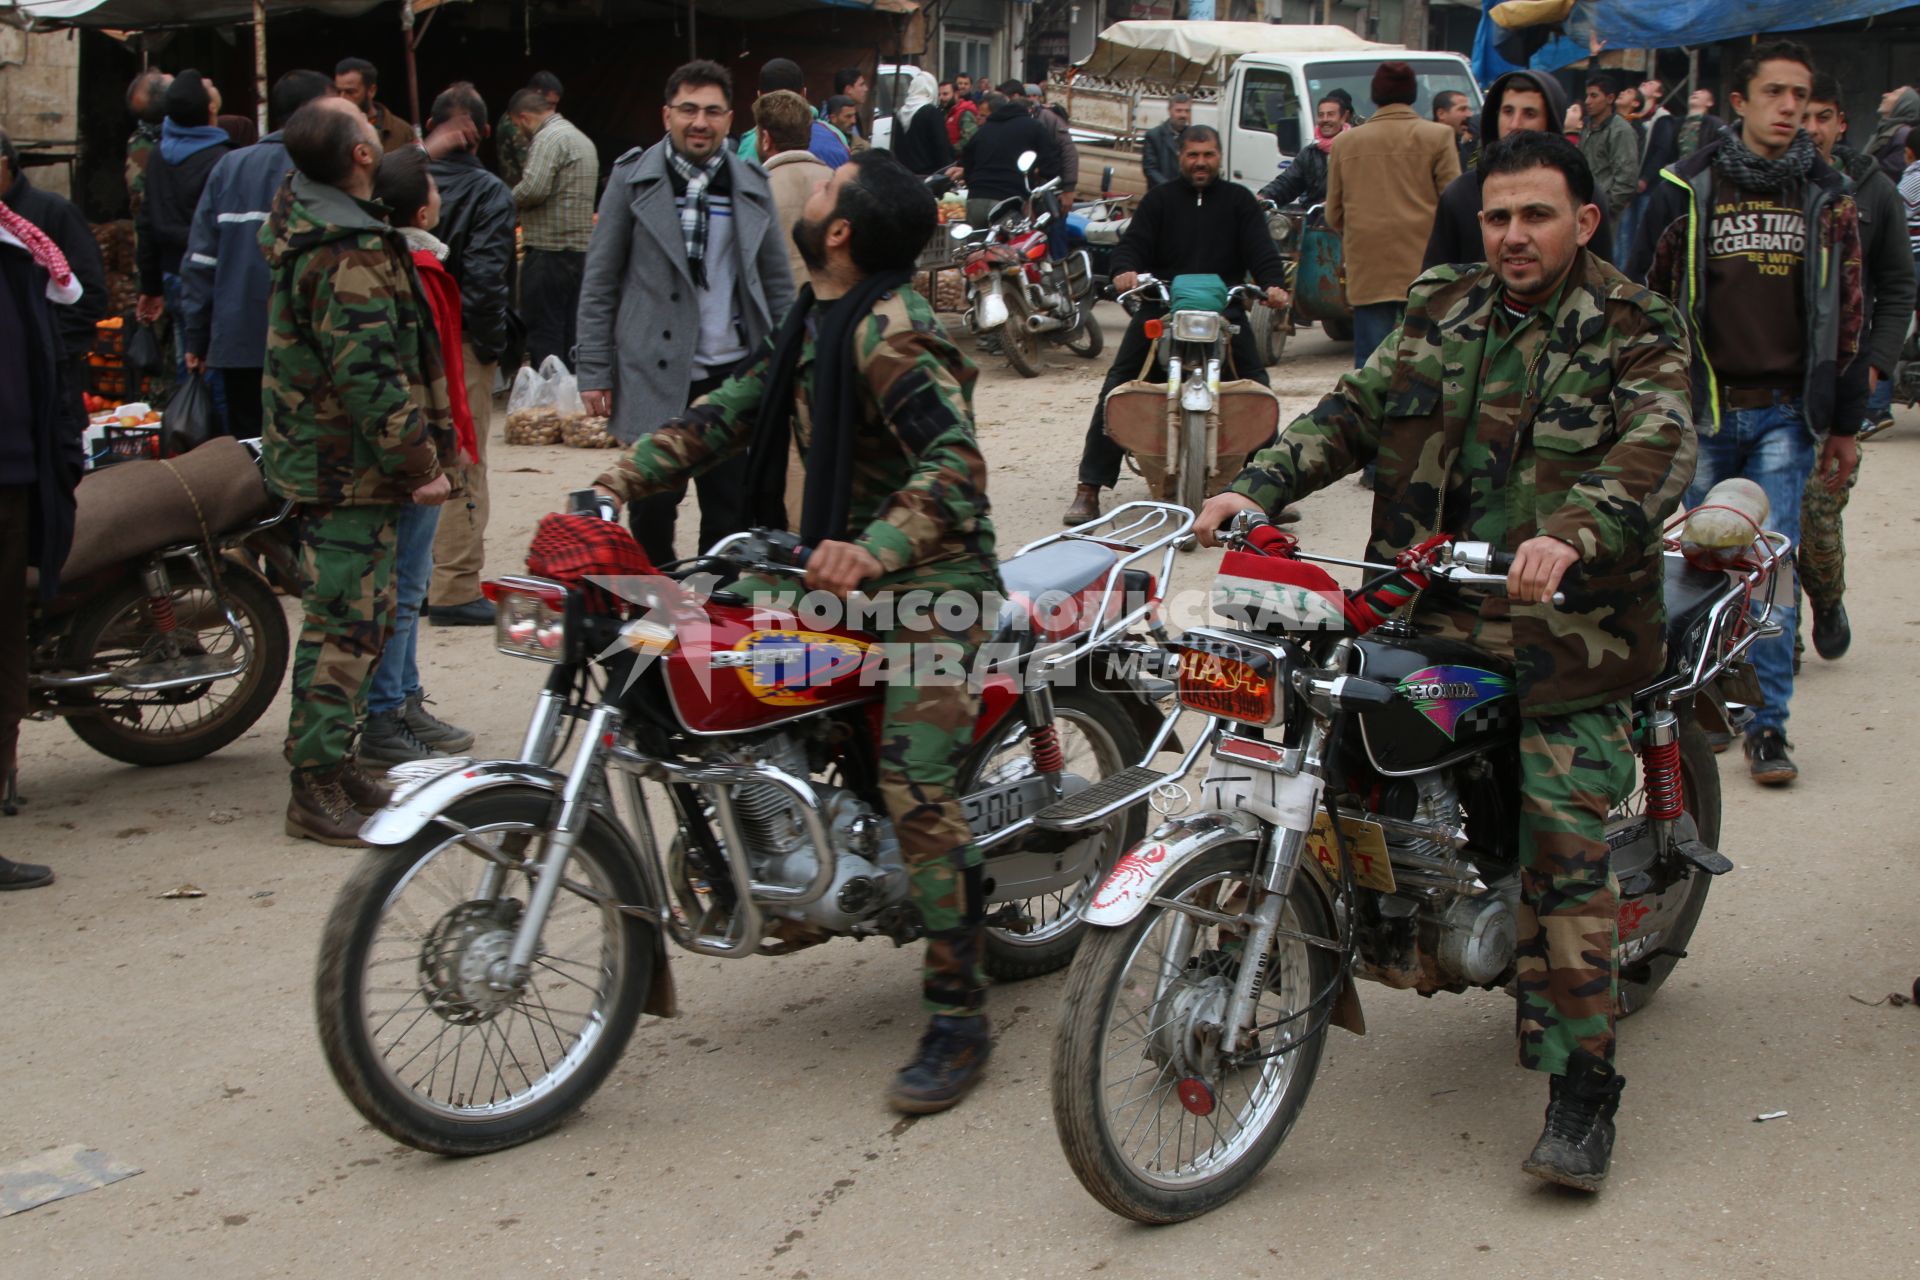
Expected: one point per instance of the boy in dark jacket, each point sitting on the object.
(177, 172)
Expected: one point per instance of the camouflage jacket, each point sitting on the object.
(140, 145)
(919, 500)
(356, 393)
(1603, 439)
(510, 147)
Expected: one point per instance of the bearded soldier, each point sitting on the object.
(881, 405)
(1539, 402)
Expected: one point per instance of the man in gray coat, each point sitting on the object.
(1612, 151)
(686, 276)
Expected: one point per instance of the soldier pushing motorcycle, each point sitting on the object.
(1556, 393)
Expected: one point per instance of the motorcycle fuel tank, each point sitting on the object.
(1455, 701)
(750, 668)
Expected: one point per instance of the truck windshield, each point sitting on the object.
(1434, 75)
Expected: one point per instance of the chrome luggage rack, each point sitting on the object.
(1135, 531)
(1730, 629)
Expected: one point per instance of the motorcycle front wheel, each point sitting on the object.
(1153, 1123)
(1192, 492)
(1088, 339)
(1021, 344)
(173, 726)
(419, 1041)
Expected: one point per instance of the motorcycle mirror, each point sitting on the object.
(958, 231)
(1026, 160)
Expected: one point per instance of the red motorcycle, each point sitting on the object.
(484, 966)
(1016, 290)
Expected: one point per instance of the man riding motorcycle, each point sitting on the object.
(1198, 225)
(1539, 402)
(881, 404)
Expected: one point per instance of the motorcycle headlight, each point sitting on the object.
(1195, 326)
(1280, 228)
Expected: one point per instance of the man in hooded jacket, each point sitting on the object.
(1899, 109)
(1517, 101)
(177, 172)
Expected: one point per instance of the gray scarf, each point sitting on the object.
(1741, 166)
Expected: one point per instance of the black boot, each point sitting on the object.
(1578, 1139)
(952, 1054)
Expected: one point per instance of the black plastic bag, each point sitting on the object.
(145, 355)
(190, 419)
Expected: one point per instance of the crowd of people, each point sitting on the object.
(1555, 339)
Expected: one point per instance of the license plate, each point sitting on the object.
(1366, 844)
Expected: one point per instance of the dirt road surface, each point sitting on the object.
(748, 1137)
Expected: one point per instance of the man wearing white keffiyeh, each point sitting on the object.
(686, 274)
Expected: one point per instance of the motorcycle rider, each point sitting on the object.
(895, 502)
(1305, 180)
(1197, 225)
(1540, 402)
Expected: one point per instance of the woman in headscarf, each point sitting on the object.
(919, 132)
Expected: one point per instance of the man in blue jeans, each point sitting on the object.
(1734, 233)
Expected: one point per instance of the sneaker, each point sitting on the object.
(1086, 505)
(432, 730)
(320, 810)
(364, 790)
(387, 740)
(1874, 426)
(474, 613)
(1767, 758)
(949, 1061)
(1577, 1142)
(1832, 633)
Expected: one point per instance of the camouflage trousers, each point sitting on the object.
(1821, 552)
(1574, 769)
(347, 556)
(928, 712)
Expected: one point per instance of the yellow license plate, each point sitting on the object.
(1366, 845)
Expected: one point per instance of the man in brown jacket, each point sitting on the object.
(785, 125)
(1384, 181)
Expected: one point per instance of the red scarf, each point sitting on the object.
(1326, 144)
(46, 254)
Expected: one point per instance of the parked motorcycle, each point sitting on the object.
(1358, 818)
(1190, 434)
(164, 643)
(484, 966)
(1016, 289)
(1316, 274)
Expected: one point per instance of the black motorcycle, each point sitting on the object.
(166, 642)
(1359, 818)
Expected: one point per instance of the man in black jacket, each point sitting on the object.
(1160, 148)
(989, 160)
(73, 325)
(476, 224)
(190, 145)
(1198, 225)
(1305, 180)
(1518, 101)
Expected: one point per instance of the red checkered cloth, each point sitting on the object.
(570, 548)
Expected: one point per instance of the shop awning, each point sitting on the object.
(150, 15)
(1636, 24)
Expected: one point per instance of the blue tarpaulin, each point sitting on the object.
(1561, 50)
(1637, 24)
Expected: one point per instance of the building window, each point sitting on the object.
(966, 53)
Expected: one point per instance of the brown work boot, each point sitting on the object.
(1086, 505)
(364, 787)
(320, 809)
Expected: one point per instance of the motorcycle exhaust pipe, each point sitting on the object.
(1044, 324)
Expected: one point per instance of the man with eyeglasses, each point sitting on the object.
(686, 276)
(555, 199)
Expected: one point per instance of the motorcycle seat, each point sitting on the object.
(1691, 595)
(1040, 579)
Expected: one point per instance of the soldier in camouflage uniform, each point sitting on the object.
(147, 100)
(356, 422)
(916, 519)
(1540, 403)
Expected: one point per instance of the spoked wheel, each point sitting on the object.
(1098, 741)
(1155, 1121)
(1021, 344)
(1088, 339)
(1700, 775)
(170, 726)
(419, 1036)
(1191, 491)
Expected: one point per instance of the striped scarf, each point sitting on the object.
(62, 287)
(693, 210)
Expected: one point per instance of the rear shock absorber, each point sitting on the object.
(1666, 792)
(1045, 745)
(159, 599)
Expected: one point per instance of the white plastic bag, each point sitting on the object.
(533, 412)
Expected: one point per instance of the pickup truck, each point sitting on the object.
(1256, 82)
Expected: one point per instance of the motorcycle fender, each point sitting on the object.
(992, 307)
(416, 802)
(1135, 878)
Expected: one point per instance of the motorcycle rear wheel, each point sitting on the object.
(159, 729)
(1339, 328)
(1700, 774)
(1020, 343)
(1108, 742)
(1088, 339)
(407, 945)
(1174, 995)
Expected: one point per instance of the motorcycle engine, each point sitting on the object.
(1466, 926)
(868, 871)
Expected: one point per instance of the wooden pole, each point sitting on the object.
(1413, 24)
(413, 71)
(260, 64)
